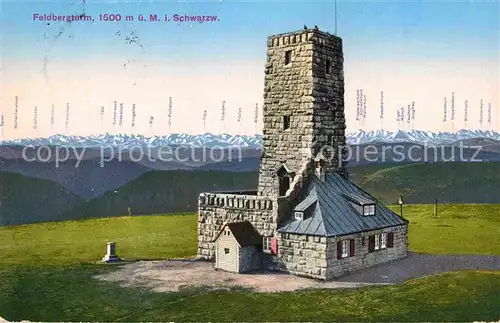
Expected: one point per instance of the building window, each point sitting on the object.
(299, 216)
(330, 140)
(226, 251)
(286, 122)
(288, 57)
(266, 244)
(328, 66)
(380, 241)
(369, 209)
(345, 248)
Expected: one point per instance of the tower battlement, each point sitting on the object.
(304, 36)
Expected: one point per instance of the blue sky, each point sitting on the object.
(454, 42)
(409, 29)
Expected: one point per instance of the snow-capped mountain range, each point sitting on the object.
(419, 136)
(246, 141)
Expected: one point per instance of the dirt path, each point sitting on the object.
(419, 265)
(174, 275)
(165, 276)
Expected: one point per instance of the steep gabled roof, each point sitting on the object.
(244, 233)
(333, 214)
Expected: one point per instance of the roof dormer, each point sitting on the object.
(365, 206)
(304, 209)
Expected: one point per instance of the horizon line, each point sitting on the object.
(235, 135)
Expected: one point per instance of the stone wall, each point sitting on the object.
(249, 259)
(215, 209)
(312, 98)
(303, 255)
(362, 258)
(316, 257)
(328, 115)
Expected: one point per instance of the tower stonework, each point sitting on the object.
(303, 109)
(312, 220)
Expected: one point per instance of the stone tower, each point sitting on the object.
(303, 109)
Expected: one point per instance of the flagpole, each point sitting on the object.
(335, 17)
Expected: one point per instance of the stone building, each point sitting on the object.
(313, 221)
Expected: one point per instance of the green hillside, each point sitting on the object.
(70, 242)
(47, 270)
(454, 226)
(175, 235)
(177, 191)
(26, 199)
(162, 192)
(422, 183)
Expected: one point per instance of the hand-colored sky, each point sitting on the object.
(418, 51)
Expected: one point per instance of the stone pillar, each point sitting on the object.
(111, 253)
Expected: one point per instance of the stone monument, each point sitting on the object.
(111, 253)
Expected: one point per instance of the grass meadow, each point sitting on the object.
(46, 274)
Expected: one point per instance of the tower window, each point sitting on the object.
(286, 122)
(328, 66)
(288, 57)
(284, 185)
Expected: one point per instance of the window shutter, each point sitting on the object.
(339, 250)
(390, 240)
(274, 246)
(371, 243)
(352, 248)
